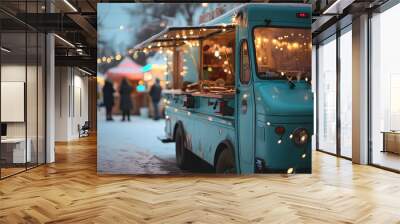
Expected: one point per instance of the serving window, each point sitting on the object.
(219, 59)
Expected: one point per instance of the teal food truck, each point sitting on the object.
(239, 89)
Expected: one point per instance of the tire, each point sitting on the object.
(226, 162)
(183, 156)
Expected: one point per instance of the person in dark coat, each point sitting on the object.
(108, 98)
(155, 94)
(126, 104)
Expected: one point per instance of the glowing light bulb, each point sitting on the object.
(279, 141)
(290, 171)
(216, 53)
(291, 136)
(303, 156)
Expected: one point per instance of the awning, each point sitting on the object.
(128, 69)
(175, 36)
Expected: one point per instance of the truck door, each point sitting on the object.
(244, 108)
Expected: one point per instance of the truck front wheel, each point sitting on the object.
(226, 161)
(183, 156)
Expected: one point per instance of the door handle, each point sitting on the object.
(244, 105)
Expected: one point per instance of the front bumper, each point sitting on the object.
(260, 167)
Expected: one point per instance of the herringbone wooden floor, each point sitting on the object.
(70, 191)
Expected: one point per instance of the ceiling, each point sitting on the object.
(75, 21)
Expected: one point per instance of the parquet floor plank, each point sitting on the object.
(70, 191)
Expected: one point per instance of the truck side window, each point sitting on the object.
(244, 63)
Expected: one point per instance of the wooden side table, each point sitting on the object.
(391, 141)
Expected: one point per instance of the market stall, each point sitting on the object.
(131, 71)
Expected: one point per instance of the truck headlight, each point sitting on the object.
(300, 136)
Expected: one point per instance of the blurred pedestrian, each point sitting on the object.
(155, 94)
(108, 99)
(126, 104)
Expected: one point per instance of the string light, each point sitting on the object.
(280, 46)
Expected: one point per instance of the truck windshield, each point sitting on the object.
(283, 53)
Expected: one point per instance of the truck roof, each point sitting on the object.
(259, 11)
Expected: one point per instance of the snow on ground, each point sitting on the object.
(133, 148)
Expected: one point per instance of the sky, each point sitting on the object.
(116, 22)
(118, 27)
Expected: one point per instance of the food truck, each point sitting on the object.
(239, 89)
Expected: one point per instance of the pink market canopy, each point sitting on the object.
(126, 69)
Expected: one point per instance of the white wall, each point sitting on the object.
(33, 126)
(16, 73)
(71, 102)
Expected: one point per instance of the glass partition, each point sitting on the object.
(327, 96)
(346, 93)
(32, 97)
(385, 89)
(41, 97)
(14, 153)
(22, 87)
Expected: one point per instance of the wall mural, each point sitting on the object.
(204, 88)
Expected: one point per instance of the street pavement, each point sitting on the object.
(133, 148)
